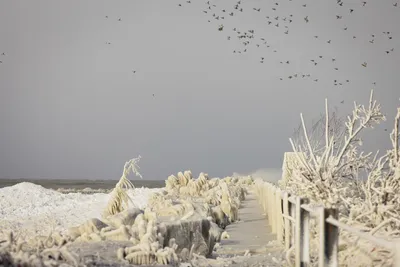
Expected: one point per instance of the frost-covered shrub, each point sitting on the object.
(329, 171)
(332, 169)
(119, 198)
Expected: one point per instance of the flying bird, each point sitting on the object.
(364, 64)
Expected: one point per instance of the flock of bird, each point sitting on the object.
(109, 43)
(248, 39)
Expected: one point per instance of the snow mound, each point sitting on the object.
(32, 209)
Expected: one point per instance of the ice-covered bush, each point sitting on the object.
(381, 207)
(328, 166)
(330, 171)
(119, 197)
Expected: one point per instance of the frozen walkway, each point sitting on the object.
(251, 233)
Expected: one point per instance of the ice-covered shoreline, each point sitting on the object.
(181, 222)
(29, 209)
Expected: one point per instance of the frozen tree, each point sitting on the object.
(331, 166)
(119, 196)
(381, 208)
(316, 133)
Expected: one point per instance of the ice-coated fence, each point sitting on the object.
(289, 217)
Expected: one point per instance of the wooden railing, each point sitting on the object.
(289, 217)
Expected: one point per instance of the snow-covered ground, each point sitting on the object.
(35, 209)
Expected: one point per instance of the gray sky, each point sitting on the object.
(71, 107)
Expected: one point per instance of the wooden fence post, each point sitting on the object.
(292, 210)
(302, 255)
(273, 210)
(329, 238)
(265, 198)
(287, 222)
(305, 234)
(279, 217)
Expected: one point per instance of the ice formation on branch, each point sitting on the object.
(382, 189)
(326, 170)
(119, 197)
(329, 168)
